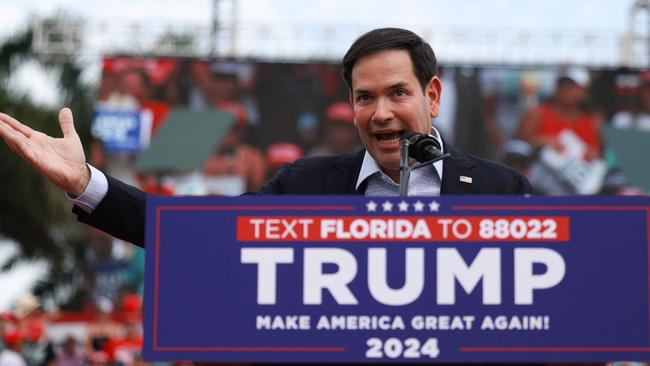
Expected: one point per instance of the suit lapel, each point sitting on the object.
(458, 169)
(458, 174)
(342, 178)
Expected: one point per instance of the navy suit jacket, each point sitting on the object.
(122, 212)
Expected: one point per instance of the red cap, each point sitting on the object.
(340, 111)
(282, 153)
(131, 304)
(11, 337)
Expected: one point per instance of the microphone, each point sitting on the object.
(422, 147)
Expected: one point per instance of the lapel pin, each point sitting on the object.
(465, 179)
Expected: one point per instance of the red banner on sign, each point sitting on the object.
(402, 228)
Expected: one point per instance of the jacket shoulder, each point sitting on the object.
(312, 175)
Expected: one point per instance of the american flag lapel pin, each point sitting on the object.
(465, 179)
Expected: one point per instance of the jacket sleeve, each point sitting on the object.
(121, 213)
(278, 184)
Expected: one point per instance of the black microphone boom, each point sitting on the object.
(422, 147)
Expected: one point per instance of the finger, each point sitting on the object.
(9, 134)
(14, 124)
(15, 140)
(66, 122)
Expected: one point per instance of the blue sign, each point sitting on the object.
(122, 130)
(372, 279)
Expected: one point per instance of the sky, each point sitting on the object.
(593, 14)
(601, 16)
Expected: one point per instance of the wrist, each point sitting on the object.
(82, 184)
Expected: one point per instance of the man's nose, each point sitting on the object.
(383, 112)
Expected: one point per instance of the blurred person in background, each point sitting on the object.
(639, 117)
(146, 84)
(507, 95)
(224, 86)
(34, 347)
(339, 133)
(69, 353)
(26, 322)
(11, 354)
(519, 155)
(567, 110)
(235, 158)
(126, 350)
(131, 302)
(101, 332)
(8, 321)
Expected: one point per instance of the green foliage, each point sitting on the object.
(14, 51)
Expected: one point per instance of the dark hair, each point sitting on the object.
(422, 56)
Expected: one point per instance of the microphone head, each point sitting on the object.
(422, 147)
(411, 136)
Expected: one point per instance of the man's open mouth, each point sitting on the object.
(391, 137)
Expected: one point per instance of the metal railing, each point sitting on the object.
(304, 42)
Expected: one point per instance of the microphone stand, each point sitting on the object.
(405, 169)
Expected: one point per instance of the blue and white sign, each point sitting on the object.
(367, 279)
(122, 130)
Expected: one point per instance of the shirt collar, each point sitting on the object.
(370, 167)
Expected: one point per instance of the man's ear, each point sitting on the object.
(434, 91)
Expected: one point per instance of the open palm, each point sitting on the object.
(60, 160)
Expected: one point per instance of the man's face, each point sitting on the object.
(388, 100)
(570, 93)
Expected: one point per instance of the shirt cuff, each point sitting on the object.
(95, 191)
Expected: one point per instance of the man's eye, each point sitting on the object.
(363, 98)
(400, 92)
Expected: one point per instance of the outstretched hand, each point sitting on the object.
(59, 160)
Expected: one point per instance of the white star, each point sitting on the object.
(403, 206)
(387, 206)
(418, 206)
(434, 206)
(371, 206)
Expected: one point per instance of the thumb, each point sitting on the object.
(66, 122)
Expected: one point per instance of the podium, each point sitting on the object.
(393, 279)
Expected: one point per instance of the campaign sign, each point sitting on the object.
(376, 279)
(122, 130)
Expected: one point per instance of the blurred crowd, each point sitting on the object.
(552, 124)
(103, 335)
(561, 127)
(565, 137)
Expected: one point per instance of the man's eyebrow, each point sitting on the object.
(401, 84)
(398, 85)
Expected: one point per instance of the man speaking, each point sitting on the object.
(394, 89)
